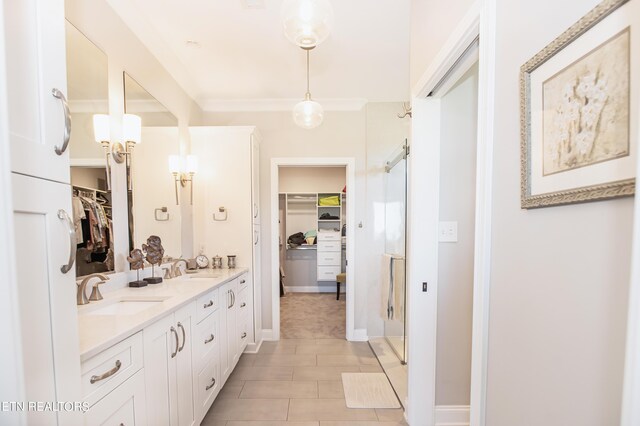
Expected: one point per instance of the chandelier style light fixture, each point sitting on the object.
(308, 113)
(307, 23)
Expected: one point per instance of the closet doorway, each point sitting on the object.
(312, 264)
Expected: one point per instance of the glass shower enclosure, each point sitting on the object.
(395, 329)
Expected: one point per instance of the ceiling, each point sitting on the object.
(241, 59)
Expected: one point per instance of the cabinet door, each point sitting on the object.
(255, 178)
(125, 405)
(46, 294)
(225, 303)
(184, 319)
(255, 292)
(160, 348)
(233, 339)
(35, 58)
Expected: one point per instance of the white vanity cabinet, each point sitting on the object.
(125, 406)
(39, 119)
(229, 178)
(168, 369)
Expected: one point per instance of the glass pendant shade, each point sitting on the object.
(132, 128)
(308, 114)
(307, 23)
(101, 128)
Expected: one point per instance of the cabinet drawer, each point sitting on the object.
(332, 258)
(206, 305)
(243, 303)
(243, 281)
(124, 406)
(110, 368)
(206, 339)
(329, 236)
(208, 385)
(328, 273)
(243, 334)
(329, 246)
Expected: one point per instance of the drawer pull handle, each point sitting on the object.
(184, 337)
(243, 335)
(243, 304)
(67, 121)
(243, 281)
(109, 373)
(209, 340)
(208, 305)
(175, 352)
(213, 383)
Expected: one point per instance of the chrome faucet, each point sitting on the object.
(81, 296)
(175, 269)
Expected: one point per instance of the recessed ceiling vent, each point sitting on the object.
(253, 4)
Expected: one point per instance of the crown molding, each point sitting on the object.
(277, 105)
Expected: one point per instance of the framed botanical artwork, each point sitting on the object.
(579, 110)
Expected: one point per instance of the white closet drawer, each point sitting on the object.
(328, 273)
(329, 236)
(206, 339)
(206, 305)
(333, 258)
(243, 281)
(329, 246)
(110, 368)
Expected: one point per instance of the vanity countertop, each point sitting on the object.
(99, 332)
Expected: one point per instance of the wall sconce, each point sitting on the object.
(183, 169)
(132, 135)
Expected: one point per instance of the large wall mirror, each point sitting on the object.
(152, 203)
(88, 94)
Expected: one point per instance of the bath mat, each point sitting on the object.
(368, 390)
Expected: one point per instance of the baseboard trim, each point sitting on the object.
(253, 348)
(452, 415)
(314, 289)
(267, 335)
(359, 335)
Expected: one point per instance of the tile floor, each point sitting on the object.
(298, 382)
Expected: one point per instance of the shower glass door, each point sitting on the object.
(395, 330)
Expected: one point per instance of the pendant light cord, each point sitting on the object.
(308, 93)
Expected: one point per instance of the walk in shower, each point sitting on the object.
(394, 262)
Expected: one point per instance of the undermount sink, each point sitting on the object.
(201, 276)
(126, 306)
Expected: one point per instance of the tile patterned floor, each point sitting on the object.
(298, 382)
(312, 315)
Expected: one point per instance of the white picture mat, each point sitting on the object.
(608, 171)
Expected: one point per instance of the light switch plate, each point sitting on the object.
(448, 232)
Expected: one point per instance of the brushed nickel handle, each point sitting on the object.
(184, 337)
(233, 298)
(243, 281)
(67, 121)
(255, 210)
(243, 304)
(175, 352)
(208, 305)
(209, 340)
(257, 235)
(109, 373)
(63, 215)
(230, 304)
(243, 335)
(213, 383)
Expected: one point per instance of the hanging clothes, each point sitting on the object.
(78, 215)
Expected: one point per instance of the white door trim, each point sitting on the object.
(479, 21)
(631, 391)
(349, 163)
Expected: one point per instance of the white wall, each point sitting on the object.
(343, 134)
(105, 29)
(559, 277)
(455, 260)
(431, 24)
(311, 179)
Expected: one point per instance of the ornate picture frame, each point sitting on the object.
(579, 108)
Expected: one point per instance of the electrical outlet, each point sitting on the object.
(448, 232)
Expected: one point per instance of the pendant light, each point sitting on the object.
(308, 113)
(307, 23)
